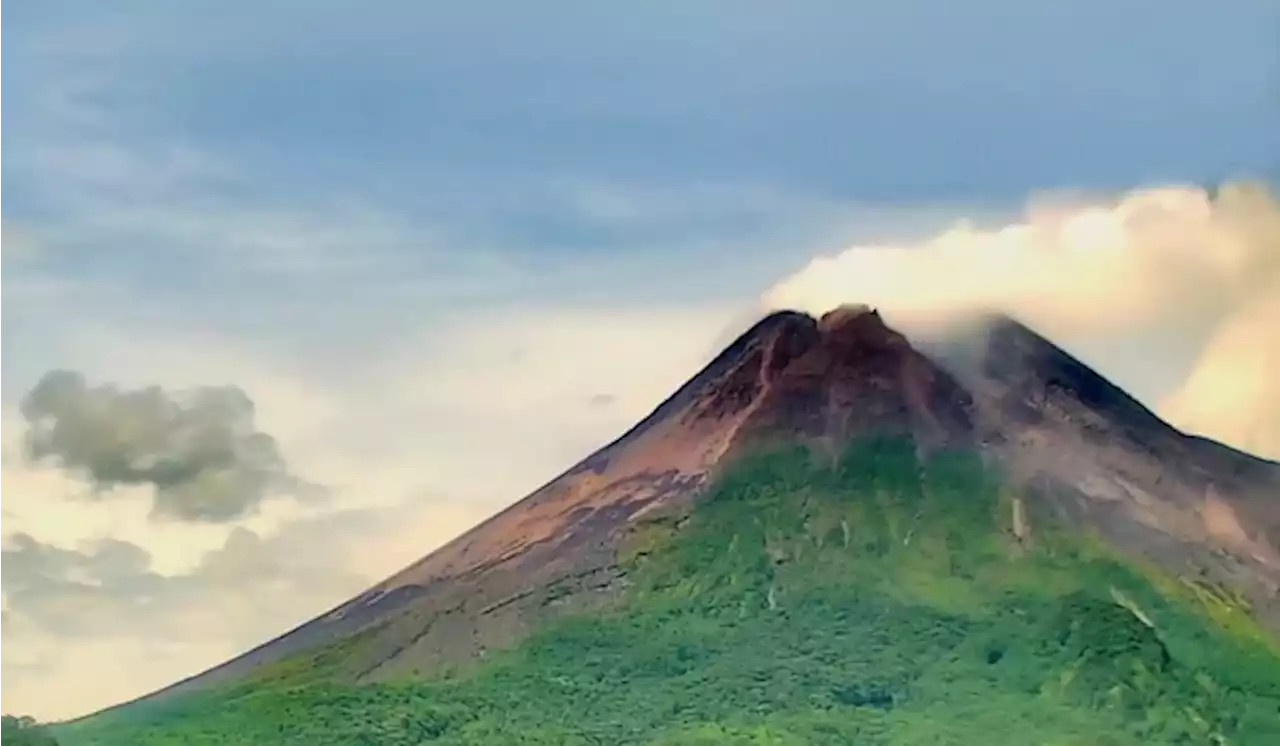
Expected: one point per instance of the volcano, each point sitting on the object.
(920, 529)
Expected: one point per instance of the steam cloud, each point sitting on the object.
(199, 449)
(1164, 261)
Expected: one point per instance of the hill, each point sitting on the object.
(826, 536)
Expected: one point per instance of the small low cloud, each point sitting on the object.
(110, 588)
(602, 400)
(1189, 267)
(30, 564)
(199, 449)
(98, 604)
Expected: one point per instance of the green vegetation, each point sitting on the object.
(24, 731)
(873, 602)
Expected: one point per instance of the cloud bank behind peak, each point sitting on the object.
(1178, 267)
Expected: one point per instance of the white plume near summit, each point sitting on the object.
(1163, 262)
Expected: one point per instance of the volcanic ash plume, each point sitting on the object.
(1163, 262)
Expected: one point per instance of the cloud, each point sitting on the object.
(61, 584)
(200, 449)
(1233, 390)
(32, 566)
(1196, 269)
(109, 588)
(61, 603)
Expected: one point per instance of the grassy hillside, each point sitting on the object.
(872, 602)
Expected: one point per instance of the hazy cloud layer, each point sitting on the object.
(199, 449)
(1180, 263)
(61, 603)
(34, 570)
(107, 588)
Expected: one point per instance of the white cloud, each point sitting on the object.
(1233, 391)
(1167, 267)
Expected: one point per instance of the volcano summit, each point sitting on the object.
(828, 535)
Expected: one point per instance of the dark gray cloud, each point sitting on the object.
(200, 449)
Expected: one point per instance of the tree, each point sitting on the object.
(24, 731)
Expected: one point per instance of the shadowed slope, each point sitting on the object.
(1101, 459)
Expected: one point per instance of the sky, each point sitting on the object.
(292, 294)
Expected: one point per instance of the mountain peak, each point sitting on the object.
(846, 374)
(859, 326)
(790, 379)
(847, 325)
(846, 314)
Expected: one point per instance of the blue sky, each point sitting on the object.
(421, 233)
(890, 102)
(547, 132)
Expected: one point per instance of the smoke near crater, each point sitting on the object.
(200, 449)
(1171, 262)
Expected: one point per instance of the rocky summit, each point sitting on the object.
(829, 535)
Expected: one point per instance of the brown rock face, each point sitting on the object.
(857, 375)
(1083, 449)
